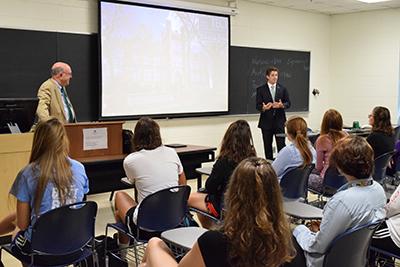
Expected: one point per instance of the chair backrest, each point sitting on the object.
(332, 181)
(313, 138)
(164, 209)
(397, 133)
(351, 247)
(381, 164)
(65, 229)
(294, 183)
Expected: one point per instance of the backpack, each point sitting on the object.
(127, 141)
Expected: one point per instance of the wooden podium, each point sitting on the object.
(83, 144)
(15, 150)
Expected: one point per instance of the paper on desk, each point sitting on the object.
(95, 138)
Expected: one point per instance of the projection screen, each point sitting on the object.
(162, 61)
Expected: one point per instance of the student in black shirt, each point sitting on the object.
(237, 145)
(382, 136)
(255, 231)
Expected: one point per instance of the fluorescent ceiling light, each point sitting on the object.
(373, 1)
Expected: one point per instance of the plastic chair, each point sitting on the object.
(332, 181)
(295, 182)
(379, 252)
(312, 136)
(158, 212)
(62, 236)
(351, 247)
(397, 133)
(381, 164)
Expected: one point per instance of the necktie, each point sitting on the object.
(69, 107)
(273, 92)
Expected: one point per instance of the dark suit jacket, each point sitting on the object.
(272, 118)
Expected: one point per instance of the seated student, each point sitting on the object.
(358, 202)
(51, 180)
(255, 231)
(151, 167)
(331, 132)
(300, 152)
(382, 136)
(387, 237)
(237, 145)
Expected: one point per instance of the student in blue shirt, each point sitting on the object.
(358, 202)
(50, 180)
(299, 153)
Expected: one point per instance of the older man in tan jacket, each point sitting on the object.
(53, 97)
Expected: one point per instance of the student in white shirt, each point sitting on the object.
(151, 167)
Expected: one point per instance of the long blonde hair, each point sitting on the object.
(296, 127)
(49, 157)
(255, 224)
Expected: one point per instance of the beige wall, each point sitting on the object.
(365, 63)
(344, 48)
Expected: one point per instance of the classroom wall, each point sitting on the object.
(365, 63)
(256, 25)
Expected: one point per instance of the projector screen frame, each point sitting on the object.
(163, 115)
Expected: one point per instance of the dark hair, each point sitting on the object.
(147, 134)
(332, 125)
(382, 122)
(353, 156)
(296, 127)
(237, 143)
(271, 69)
(255, 224)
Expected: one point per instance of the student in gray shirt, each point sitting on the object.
(358, 202)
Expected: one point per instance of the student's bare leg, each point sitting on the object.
(123, 203)
(197, 200)
(158, 254)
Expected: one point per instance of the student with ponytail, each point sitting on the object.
(299, 153)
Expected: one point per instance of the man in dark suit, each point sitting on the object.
(272, 99)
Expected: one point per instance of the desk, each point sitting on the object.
(105, 172)
(204, 170)
(183, 238)
(302, 210)
(359, 132)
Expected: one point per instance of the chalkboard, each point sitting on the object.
(25, 61)
(26, 57)
(247, 72)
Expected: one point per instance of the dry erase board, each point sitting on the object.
(247, 71)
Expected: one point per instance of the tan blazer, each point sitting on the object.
(50, 102)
